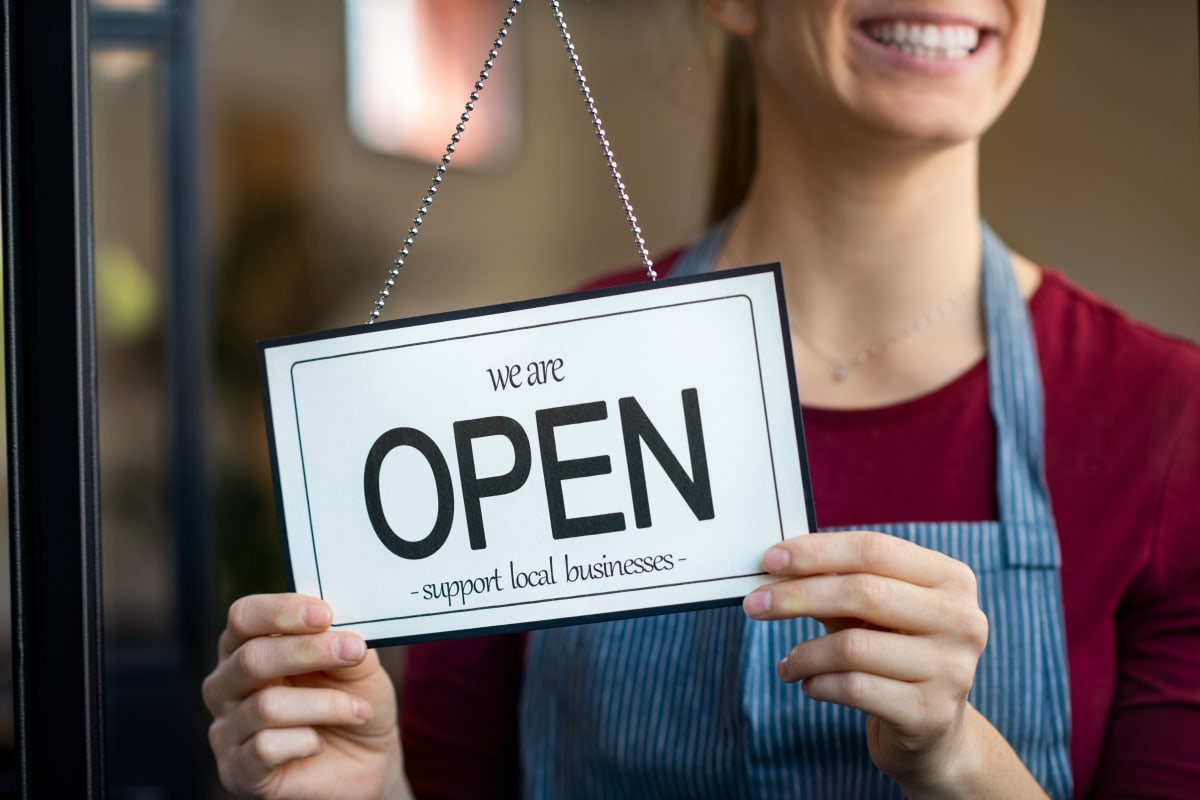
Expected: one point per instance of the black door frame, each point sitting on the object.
(50, 374)
(50, 379)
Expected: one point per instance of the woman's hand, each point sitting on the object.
(300, 711)
(904, 633)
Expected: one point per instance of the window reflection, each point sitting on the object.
(117, 66)
(130, 5)
(130, 280)
(410, 68)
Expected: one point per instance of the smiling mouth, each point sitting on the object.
(925, 40)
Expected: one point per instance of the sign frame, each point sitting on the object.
(265, 348)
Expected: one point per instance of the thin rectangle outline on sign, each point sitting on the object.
(450, 316)
(645, 309)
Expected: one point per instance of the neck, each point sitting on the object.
(858, 239)
(868, 246)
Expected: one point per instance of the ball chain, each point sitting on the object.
(603, 138)
(427, 200)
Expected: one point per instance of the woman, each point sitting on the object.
(944, 657)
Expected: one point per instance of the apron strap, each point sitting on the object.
(702, 254)
(1015, 397)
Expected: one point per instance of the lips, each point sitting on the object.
(926, 40)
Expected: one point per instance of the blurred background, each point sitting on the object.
(257, 163)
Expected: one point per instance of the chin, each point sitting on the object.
(933, 134)
(939, 121)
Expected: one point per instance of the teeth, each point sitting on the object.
(926, 40)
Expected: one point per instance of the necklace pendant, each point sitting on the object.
(841, 372)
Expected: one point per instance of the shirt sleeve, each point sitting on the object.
(458, 717)
(1152, 744)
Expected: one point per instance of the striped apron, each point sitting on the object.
(688, 705)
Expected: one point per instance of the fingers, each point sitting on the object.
(890, 655)
(866, 552)
(901, 704)
(270, 614)
(914, 683)
(881, 601)
(272, 727)
(894, 655)
(873, 577)
(893, 611)
(904, 632)
(254, 764)
(285, 707)
(259, 662)
(294, 702)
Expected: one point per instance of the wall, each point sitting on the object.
(1094, 170)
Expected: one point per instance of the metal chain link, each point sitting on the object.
(603, 137)
(427, 201)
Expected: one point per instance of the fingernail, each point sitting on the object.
(316, 616)
(757, 603)
(776, 559)
(363, 710)
(351, 650)
(781, 669)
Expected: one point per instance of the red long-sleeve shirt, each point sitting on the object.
(1122, 405)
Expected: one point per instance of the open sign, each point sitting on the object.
(574, 458)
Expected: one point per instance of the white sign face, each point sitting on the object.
(593, 456)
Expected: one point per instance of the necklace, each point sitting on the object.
(842, 367)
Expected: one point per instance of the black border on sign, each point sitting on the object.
(357, 330)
